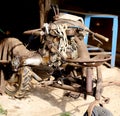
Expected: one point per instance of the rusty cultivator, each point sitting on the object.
(62, 61)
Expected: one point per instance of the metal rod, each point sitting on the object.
(89, 79)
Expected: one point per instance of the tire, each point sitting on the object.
(19, 84)
(99, 111)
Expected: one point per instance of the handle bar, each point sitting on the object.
(40, 32)
(34, 32)
(98, 35)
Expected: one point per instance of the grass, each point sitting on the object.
(2, 111)
(65, 114)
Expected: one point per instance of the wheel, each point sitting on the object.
(19, 84)
(99, 111)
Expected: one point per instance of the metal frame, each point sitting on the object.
(114, 31)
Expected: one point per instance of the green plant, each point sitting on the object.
(65, 114)
(2, 111)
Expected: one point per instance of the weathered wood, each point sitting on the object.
(42, 12)
(44, 6)
(47, 8)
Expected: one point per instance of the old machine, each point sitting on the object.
(63, 61)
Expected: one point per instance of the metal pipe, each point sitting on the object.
(89, 75)
(70, 88)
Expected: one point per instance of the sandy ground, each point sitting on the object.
(50, 101)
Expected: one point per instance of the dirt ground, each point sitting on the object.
(50, 101)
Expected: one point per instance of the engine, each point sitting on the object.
(60, 42)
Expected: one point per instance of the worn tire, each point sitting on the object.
(99, 111)
(19, 85)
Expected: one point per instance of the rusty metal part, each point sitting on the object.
(98, 35)
(34, 32)
(84, 56)
(91, 106)
(90, 62)
(2, 80)
(99, 53)
(89, 80)
(98, 84)
(46, 83)
(80, 90)
(2, 83)
(66, 87)
(34, 75)
(94, 35)
(98, 92)
(4, 61)
(82, 49)
(105, 100)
